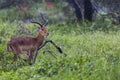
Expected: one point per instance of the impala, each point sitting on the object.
(30, 45)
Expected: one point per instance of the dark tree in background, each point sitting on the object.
(76, 6)
(6, 3)
(77, 10)
(88, 10)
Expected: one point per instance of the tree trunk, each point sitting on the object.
(77, 8)
(7, 4)
(88, 10)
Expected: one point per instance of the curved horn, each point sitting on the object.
(45, 20)
(37, 23)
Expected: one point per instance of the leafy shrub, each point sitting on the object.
(92, 53)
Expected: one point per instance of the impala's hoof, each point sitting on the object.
(60, 49)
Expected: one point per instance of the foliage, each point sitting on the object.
(14, 14)
(91, 54)
(92, 49)
(110, 6)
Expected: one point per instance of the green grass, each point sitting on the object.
(91, 54)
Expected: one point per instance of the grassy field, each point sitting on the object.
(91, 54)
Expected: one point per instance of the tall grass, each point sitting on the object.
(91, 54)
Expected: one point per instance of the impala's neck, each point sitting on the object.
(40, 37)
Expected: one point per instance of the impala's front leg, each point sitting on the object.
(50, 41)
(57, 47)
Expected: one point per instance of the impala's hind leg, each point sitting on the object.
(57, 47)
(16, 55)
(30, 58)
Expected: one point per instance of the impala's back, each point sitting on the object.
(19, 43)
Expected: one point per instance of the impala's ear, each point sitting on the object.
(37, 28)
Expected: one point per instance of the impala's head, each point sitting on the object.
(43, 31)
(42, 27)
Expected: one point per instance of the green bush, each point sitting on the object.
(90, 55)
(92, 51)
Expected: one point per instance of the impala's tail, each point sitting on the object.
(9, 47)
